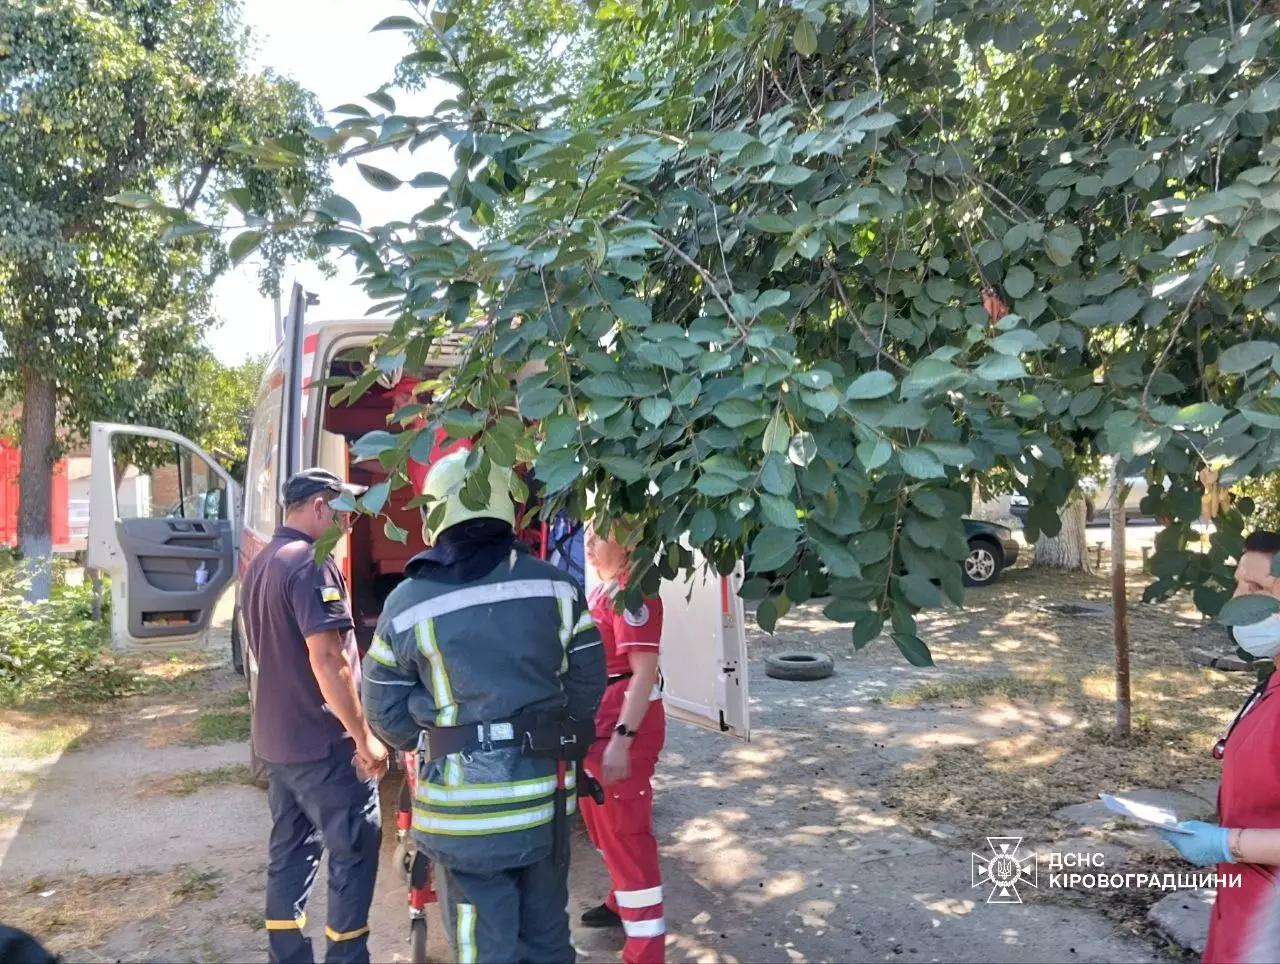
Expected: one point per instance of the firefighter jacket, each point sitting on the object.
(501, 641)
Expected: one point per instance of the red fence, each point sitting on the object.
(9, 459)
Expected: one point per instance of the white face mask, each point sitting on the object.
(1259, 639)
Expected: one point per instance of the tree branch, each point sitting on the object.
(857, 322)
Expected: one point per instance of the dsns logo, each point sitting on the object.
(1004, 870)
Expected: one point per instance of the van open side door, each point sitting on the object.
(704, 650)
(163, 523)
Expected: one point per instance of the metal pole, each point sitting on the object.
(1119, 599)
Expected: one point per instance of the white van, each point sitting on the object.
(171, 554)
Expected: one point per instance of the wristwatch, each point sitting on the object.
(621, 730)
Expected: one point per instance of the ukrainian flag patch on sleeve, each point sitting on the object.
(330, 594)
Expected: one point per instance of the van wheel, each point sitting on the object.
(798, 666)
(257, 767)
(257, 770)
(237, 644)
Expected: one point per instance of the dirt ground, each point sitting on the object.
(843, 831)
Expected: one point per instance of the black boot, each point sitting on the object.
(601, 916)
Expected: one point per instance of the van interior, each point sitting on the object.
(375, 563)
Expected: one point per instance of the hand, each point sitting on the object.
(617, 760)
(371, 758)
(1204, 846)
(994, 304)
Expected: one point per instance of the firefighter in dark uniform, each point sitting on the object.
(321, 757)
(488, 662)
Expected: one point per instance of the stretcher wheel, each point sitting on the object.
(418, 940)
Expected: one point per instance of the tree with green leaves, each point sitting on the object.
(132, 100)
(225, 396)
(752, 255)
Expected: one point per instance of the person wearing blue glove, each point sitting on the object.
(1245, 843)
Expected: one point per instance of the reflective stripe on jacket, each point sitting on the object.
(516, 640)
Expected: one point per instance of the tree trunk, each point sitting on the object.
(95, 577)
(1069, 549)
(35, 482)
(1120, 599)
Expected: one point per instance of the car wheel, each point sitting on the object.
(237, 644)
(799, 666)
(982, 565)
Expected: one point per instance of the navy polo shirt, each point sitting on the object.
(285, 597)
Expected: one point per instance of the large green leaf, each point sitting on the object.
(772, 548)
(1019, 281)
(1247, 610)
(920, 463)
(913, 648)
(869, 385)
(805, 38)
(1247, 355)
(1061, 244)
(382, 180)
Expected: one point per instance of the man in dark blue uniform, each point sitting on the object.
(322, 759)
(488, 662)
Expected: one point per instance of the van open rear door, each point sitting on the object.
(704, 650)
(163, 520)
(291, 409)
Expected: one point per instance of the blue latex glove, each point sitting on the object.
(1204, 846)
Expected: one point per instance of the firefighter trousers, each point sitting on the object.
(507, 915)
(622, 830)
(318, 806)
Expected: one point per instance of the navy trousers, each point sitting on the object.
(318, 806)
(518, 915)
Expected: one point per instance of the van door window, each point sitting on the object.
(262, 478)
(160, 480)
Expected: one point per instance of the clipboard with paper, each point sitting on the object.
(1147, 813)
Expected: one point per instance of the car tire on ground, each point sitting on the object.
(983, 563)
(799, 666)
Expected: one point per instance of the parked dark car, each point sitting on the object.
(992, 549)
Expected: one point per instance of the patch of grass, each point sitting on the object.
(197, 885)
(250, 919)
(980, 688)
(16, 783)
(1024, 778)
(176, 674)
(30, 736)
(238, 698)
(192, 781)
(81, 911)
(1066, 755)
(219, 726)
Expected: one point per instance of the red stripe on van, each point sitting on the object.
(309, 344)
(277, 380)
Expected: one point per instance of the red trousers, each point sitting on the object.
(622, 830)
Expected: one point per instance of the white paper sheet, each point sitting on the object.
(1143, 812)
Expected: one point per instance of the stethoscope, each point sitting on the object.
(1220, 748)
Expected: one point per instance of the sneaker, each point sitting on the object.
(601, 916)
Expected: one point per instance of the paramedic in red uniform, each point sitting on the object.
(1246, 840)
(631, 726)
